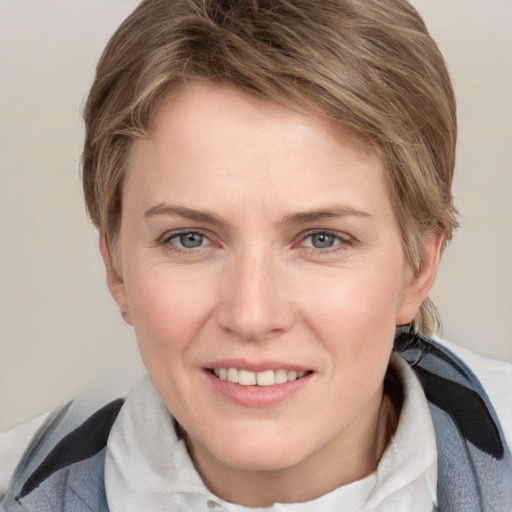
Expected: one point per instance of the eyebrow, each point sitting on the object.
(334, 212)
(295, 218)
(182, 211)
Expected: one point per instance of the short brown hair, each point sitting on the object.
(369, 64)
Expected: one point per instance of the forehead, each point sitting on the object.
(209, 141)
(190, 103)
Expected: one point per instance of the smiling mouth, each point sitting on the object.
(265, 378)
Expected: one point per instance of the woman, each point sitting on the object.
(271, 185)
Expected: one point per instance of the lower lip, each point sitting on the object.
(257, 396)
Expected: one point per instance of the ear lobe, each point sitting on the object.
(416, 288)
(115, 282)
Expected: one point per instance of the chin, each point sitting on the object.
(264, 452)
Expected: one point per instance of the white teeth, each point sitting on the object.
(280, 376)
(265, 378)
(292, 375)
(246, 378)
(233, 375)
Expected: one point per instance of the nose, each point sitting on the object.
(257, 304)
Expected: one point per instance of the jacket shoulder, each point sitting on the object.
(70, 442)
(496, 378)
(13, 444)
(474, 462)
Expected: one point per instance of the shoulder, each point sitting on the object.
(471, 426)
(12, 445)
(64, 440)
(496, 379)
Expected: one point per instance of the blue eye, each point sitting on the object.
(188, 240)
(326, 242)
(323, 240)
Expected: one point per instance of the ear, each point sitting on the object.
(115, 282)
(417, 287)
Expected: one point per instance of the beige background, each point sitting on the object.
(59, 330)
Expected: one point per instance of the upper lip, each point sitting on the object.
(252, 366)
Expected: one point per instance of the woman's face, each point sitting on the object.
(260, 244)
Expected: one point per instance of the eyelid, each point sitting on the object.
(166, 240)
(168, 235)
(343, 243)
(343, 237)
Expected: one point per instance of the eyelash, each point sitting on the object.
(341, 242)
(167, 239)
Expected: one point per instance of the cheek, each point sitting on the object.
(167, 310)
(353, 299)
(355, 319)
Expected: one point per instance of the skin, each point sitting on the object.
(258, 288)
